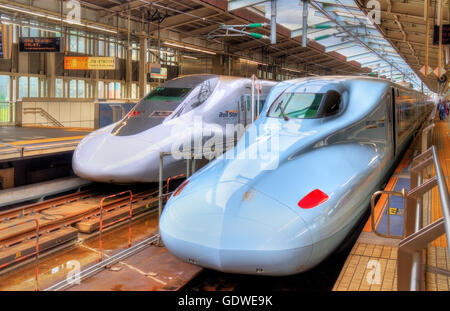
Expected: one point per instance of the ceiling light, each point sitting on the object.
(190, 57)
(189, 48)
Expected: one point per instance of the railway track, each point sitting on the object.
(62, 219)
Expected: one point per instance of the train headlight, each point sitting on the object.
(180, 188)
(312, 199)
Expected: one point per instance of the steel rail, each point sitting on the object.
(97, 268)
(39, 206)
(71, 220)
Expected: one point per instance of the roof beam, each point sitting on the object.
(239, 4)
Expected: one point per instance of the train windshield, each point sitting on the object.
(305, 105)
(169, 100)
(296, 105)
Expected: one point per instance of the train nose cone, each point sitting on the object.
(108, 158)
(238, 230)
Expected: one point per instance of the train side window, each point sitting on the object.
(332, 103)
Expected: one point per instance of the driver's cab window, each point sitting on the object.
(197, 97)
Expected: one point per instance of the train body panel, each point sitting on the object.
(180, 111)
(254, 190)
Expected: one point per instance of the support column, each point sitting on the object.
(96, 74)
(50, 71)
(142, 64)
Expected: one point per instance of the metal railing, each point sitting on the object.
(388, 195)
(43, 113)
(129, 217)
(409, 260)
(19, 257)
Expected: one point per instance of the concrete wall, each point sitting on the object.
(56, 112)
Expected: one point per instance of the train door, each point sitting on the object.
(245, 109)
(392, 120)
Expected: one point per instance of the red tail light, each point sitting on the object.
(134, 113)
(312, 199)
(180, 188)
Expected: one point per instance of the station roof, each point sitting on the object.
(341, 39)
(343, 26)
(404, 26)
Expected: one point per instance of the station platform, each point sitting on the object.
(22, 142)
(372, 263)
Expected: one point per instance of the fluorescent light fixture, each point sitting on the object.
(294, 70)
(54, 18)
(162, 51)
(243, 60)
(189, 48)
(190, 57)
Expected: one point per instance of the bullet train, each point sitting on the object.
(298, 181)
(177, 112)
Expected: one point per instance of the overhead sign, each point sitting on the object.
(162, 74)
(40, 44)
(445, 34)
(89, 63)
(156, 71)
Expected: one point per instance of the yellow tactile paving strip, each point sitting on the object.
(437, 258)
(441, 131)
(369, 267)
(367, 259)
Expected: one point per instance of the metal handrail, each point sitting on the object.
(426, 133)
(36, 252)
(402, 194)
(129, 217)
(409, 260)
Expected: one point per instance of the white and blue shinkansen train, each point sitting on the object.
(333, 141)
(128, 151)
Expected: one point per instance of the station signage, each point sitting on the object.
(156, 71)
(89, 63)
(40, 44)
(445, 34)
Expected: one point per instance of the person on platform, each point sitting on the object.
(442, 110)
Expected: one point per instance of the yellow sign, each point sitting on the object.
(89, 63)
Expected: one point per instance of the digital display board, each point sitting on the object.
(39, 44)
(445, 34)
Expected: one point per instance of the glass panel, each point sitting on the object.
(111, 90)
(34, 32)
(25, 31)
(81, 45)
(34, 87)
(296, 105)
(101, 47)
(133, 91)
(23, 87)
(117, 90)
(81, 90)
(4, 88)
(59, 88)
(73, 89)
(112, 49)
(43, 88)
(73, 43)
(101, 89)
